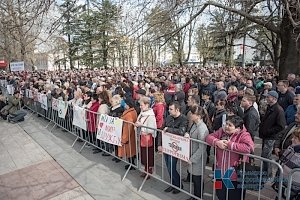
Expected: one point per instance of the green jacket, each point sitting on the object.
(13, 104)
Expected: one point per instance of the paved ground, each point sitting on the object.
(31, 154)
(28, 172)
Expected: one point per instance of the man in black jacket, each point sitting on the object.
(251, 117)
(272, 123)
(285, 97)
(175, 123)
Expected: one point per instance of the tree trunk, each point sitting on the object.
(230, 52)
(204, 62)
(290, 54)
(104, 50)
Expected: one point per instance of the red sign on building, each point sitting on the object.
(3, 64)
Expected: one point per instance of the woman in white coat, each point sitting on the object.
(146, 119)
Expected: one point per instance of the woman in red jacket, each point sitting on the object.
(92, 118)
(159, 111)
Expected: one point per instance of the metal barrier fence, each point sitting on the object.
(173, 173)
(151, 163)
(290, 194)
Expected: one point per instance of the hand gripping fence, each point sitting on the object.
(169, 166)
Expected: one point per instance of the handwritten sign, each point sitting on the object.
(110, 129)
(176, 146)
(42, 98)
(62, 109)
(10, 89)
(79, 117)
(54, 104)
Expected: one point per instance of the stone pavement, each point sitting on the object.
(28, 172)
(98, 175)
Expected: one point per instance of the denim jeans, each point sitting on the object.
(267, 148)
(171, 163)
(18, 115)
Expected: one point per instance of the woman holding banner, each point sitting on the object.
(147, 135)
(128, 148)
(103, 109)
(197, 160)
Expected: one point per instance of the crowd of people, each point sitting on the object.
(225, 107)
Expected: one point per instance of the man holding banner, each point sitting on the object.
(175, 123)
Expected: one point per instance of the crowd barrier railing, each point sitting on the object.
(106, 134)
(289, 185)
(176, 171)
(87, 129)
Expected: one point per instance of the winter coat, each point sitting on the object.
(103, 109)
(286, 99)
(239, 141)
(117, 111)
(180, 97)
(272, 123)
(176, 125)
(251, 121)
(169, 96)
(186, 87)
(198, 131)
(219, 119)
(211, 109)
(285, 137)
(147, 118)
(291, 160)
(128, 148)
(91, 117)
(209, 87)
(13, 105)
(290, 113)
(159, 110)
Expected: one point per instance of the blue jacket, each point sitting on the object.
(290, 114)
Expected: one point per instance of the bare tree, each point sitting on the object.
(21, 21)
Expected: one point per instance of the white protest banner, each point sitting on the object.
(2, 83)
(10, 89)
(79, 117)
(44, 102)
(17, 66)
(54, 104)
(39, 97)
(62, 109)
(110, 129)
(176, 146)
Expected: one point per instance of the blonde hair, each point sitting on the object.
(296, 133)
(145, 100)
(47, 87)
(232, 87)
(115, 100)
(159, 97)
(249, 91)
